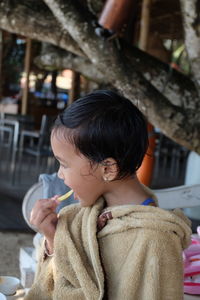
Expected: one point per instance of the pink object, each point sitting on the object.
(191, 257)
(198, 231)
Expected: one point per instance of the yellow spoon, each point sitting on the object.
(65, 196)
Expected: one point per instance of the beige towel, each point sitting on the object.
(136, 256)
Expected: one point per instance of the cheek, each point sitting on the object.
(81, 178)
(67, 176)
(90, 173)
(71, 179)
(64, 174)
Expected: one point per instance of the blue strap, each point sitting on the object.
(148, 201)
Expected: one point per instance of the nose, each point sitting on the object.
(60, 174)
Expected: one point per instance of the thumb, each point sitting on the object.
(55, 197)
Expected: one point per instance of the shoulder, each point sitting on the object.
(147, 223)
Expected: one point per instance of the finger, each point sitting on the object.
(51, 203)
(44, 205)
(41, 210)
(40, 221)
(50, 219)
(55, 197)
(48, 226)
(37, 216)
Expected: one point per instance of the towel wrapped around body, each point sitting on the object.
(137, 255)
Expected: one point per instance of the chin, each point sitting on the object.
(82, 204)
(85, 203)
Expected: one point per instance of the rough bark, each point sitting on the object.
(172, 120)
(191, 19)
(177, 87)
(41, 25)
(36, 22)
(95, 7)
(53, 58)
(168, 99)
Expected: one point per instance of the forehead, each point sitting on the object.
(61, 145)
(61, 133)
(65, 152)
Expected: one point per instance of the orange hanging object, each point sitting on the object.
(116, 13)
(145, 172)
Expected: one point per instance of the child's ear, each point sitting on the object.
(109, 169)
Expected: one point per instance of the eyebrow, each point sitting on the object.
(60, 159)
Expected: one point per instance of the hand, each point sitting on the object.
(44, 218)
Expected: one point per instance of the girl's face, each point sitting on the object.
(76, 171)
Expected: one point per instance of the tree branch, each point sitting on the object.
(35, 23)
(133, 85)
(118, 65)
(178, 88)
(53, 58)
(95, 6)
(191, 19)
(42, 25)
(175, 86)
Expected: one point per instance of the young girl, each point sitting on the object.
(116, 243)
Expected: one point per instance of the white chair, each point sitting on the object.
(34, 193)
(36, 144)
(179, 197)
(13, 129)
(169, 198)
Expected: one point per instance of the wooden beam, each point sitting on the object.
(75, 87)
(1, 62)
(145, 172)
(145, 24)
(27, 72)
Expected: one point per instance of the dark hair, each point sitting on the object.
(105, 124)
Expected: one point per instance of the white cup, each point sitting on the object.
(9, 285)
(2, 297)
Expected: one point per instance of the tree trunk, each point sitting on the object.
(160, 112)
(53, 58)
(169, 99)
(191, 19)
(36, 22)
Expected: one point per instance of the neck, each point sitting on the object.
(125, 191)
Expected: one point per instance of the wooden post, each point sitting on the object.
(27, 72)
(145, 172)
(145, 24)
(85, 85)
(1, 62)
(75, 87)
